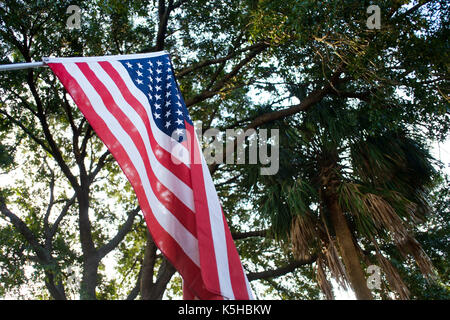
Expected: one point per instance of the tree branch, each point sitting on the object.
(58, 220)
(165, 273)
(27, 131)
(163, 14)
(136, 289)
(268, 274)
(236, 69)
(48, 136)
(43, 256)
(126, 227)
(209, 62)
(100, 164)
(245, 235)
(51, 202)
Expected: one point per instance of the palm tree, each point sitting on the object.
(345, 192)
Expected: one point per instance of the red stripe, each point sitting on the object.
(205, 239)
(169, 200)
(238, 279)
(163, 156)
(168, 246)
(204, 234)
(188, 294)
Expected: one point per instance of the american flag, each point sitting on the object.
(134, 104)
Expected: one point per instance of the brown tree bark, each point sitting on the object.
(347, 249)
(330, 179)
(150, 289)
(90, 255)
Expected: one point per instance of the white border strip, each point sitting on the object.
(105, 58)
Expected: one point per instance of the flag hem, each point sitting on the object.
(104, 58)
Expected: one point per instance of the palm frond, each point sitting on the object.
(322, 280)
(393, 277)
(335, 265)
(409, 245)
(303, 236)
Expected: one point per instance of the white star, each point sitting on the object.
(168, 104)
(179, 131)
(159, 63)
(179, 121)
(150, 63)
(158, 88)
(167, 124)
(157, 115)
(150, 70)
(179, 104)
(150, 96)
(150, 87)
(158, 79)
(168, 77)
(168, 94)
(158, 97)
(139, 73)
(179, 112)
(157, 106)
(158, 71)
(139, 65)
(168, 113)
(139, 81)
(129, 65)
(168, 85)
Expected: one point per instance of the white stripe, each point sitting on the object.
(164, 175)
(105, 58)
(164, 217)
(166, 142)
(217, 231)
(249, 289)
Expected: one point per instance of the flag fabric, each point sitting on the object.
(134, 104)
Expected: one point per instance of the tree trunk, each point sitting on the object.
(347, 249)
(154, 290)
(90, 255)
(147, 269)
(89, 280)
(56, 290)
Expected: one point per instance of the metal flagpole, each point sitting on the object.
(20, 66)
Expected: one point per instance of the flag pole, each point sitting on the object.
(21, 66)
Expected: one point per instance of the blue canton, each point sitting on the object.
(154, 76)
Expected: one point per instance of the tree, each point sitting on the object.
(434, 239)
(343, 195)
(363, 120)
